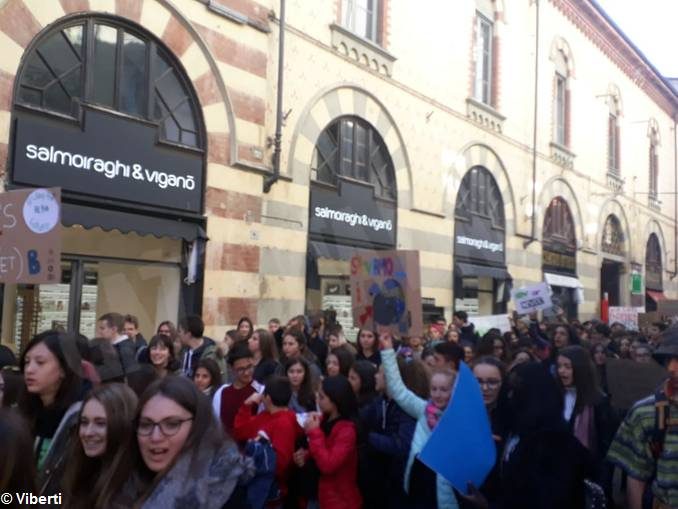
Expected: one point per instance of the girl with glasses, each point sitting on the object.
(185, 459)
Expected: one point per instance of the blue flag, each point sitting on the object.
(461, 447)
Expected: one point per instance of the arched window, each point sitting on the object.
(613, 237)
(350, 147)
(103, 62)
(653, 263)
(479, 194)
(613, 148)
(558, 226)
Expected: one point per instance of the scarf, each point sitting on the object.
(584, 428)
(433, 415)
(206, 483)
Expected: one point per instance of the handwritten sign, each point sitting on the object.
(532, 298)
(485, 323)
(30, 239)
(386, 291)
(628, 317)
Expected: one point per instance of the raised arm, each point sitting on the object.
(405, 398)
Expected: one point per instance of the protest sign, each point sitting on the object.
(630, 381)
(30, 236)
(463, 432)
(627, 316)
(484, 323)
(532, 298)
(668, 308)
(647, 319)
(386, 291)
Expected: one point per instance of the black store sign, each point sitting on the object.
(559, 261)
(478, 240)
(107, 156)
(351, 213)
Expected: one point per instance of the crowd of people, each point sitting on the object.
(299, 416)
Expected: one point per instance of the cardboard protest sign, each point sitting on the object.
(30, 237)
(463, 432)
(647, 319)
(484, 323)
(386, 291)
(532, 298)
(627, 316)
(668, 308)
(630, 381)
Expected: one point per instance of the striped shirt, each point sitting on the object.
(630, 450)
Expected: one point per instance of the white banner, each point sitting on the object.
(626, 316)
(485, 323)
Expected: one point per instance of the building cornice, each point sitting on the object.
(601, 30)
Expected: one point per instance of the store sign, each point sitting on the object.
(352, 212)
(107, 156)
(532, 298)
(478, 240)
(30, 236)
(386, 291)
(636, 283)
(558, 261)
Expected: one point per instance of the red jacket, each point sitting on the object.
(282, 429)
(337, 458)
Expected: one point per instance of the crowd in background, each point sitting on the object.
(297, 415)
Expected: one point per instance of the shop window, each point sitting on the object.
(98, 61)
(613, 237)
(362, 18)
(480, 195)
(350, 147)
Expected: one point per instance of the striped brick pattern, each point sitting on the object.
(230, 106)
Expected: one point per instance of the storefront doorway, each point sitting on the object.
(481, 281)
(613, 267)
(352, 205)
(559, 257)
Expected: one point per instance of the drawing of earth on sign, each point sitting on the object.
(388, 306)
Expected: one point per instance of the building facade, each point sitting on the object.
(506, 146)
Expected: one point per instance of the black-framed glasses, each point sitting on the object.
(244, 369)
(491, 383)
(168, 427)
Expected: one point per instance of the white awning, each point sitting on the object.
(560, 280)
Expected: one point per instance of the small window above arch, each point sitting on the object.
(103, 62)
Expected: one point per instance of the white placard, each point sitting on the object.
(532, 298)
(624, 315)
(484, 323)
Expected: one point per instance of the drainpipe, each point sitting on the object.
(272, 179)
(675, 199)
(533, 231)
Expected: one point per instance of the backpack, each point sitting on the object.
(263, 486)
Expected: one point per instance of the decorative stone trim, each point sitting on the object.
(484, 115)
(615, 182)
(361, 50)
(562, 155)
(653, 202)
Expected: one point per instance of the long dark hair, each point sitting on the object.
(304, 350)
(530, 401)
(94, 482)
(211, 366)
(70, 386)
(245, 319)
(306, 394)
(584, 376)
(339, 391)
(345, 358)
(267, 346)
(160, 339)
(206, 433)
(17, 468)
(359, 346)
(365, 371)
(415, 376)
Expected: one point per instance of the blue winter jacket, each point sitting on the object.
(415, 407)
